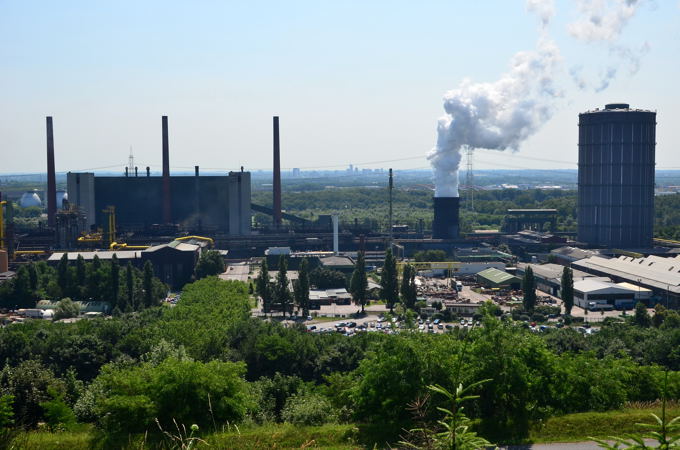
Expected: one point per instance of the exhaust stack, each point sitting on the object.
(277, 175)
(446, 211)
(51, 177)
(167, 213)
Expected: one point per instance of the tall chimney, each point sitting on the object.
(167, 214)
(277, 175)
(51, 177)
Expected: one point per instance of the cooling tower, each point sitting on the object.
(445, 224)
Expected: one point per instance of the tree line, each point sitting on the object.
(125, 287)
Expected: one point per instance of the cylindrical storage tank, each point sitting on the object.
(445, 224)
(616, 159)
(30, 198)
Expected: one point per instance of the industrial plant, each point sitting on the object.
(170, 218)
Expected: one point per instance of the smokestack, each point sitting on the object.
(148, 171)
(51, 177)
(197, 199)
(136, 171)
(445, 224)
(167, 215)
(126, 171)
(277, 175)
(336, 246)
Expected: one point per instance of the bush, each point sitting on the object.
(538, 317)
(308, 410)
(58, 415)
(524, 318)
(185, 391)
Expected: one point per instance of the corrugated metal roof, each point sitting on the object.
(662, 273)
(595, 286)
(89, 256)
(496, 276)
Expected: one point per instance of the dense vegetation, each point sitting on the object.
(206, 361)
(125, 287)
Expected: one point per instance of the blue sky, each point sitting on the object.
(353, 81)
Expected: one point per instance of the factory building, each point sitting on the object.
(197, 202)
(616, 149)
(216, 203)
(660, 275)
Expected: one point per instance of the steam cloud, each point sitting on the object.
(498, 115)
(603, 21)
(502, 114)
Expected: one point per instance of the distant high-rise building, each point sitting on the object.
(296, 172)
(616, 149)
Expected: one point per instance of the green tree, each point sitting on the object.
(529, 289)
(148, 285)
(66, 308)
(359, 282)
(301, 288)
(95, 285)
(23, 294)
(263, 286)
(81, 271)
(209, 263)
(63, 274)
(409, 293)
(388, 280)
(642, 318)
(114, 279)
(281, 292)
(567, 290)
(324, 278)
(130, 289)
(33, 276)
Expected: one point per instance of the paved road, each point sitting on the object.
(561, 446)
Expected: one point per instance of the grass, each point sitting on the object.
(280, 436)
(569, 428)
(578, 427)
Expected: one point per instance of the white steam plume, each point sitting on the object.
(498, 115)
(603, 21)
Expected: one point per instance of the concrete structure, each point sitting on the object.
(494, 278)
(534, 219)
(81, 192)
(462, 309)
(223, 201)
(660, 275)
(597, 295)
(167, 202)
(446, 218)
(51, 176)
(616, 176)
(277, 175)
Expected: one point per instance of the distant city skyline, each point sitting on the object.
(353, 83)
